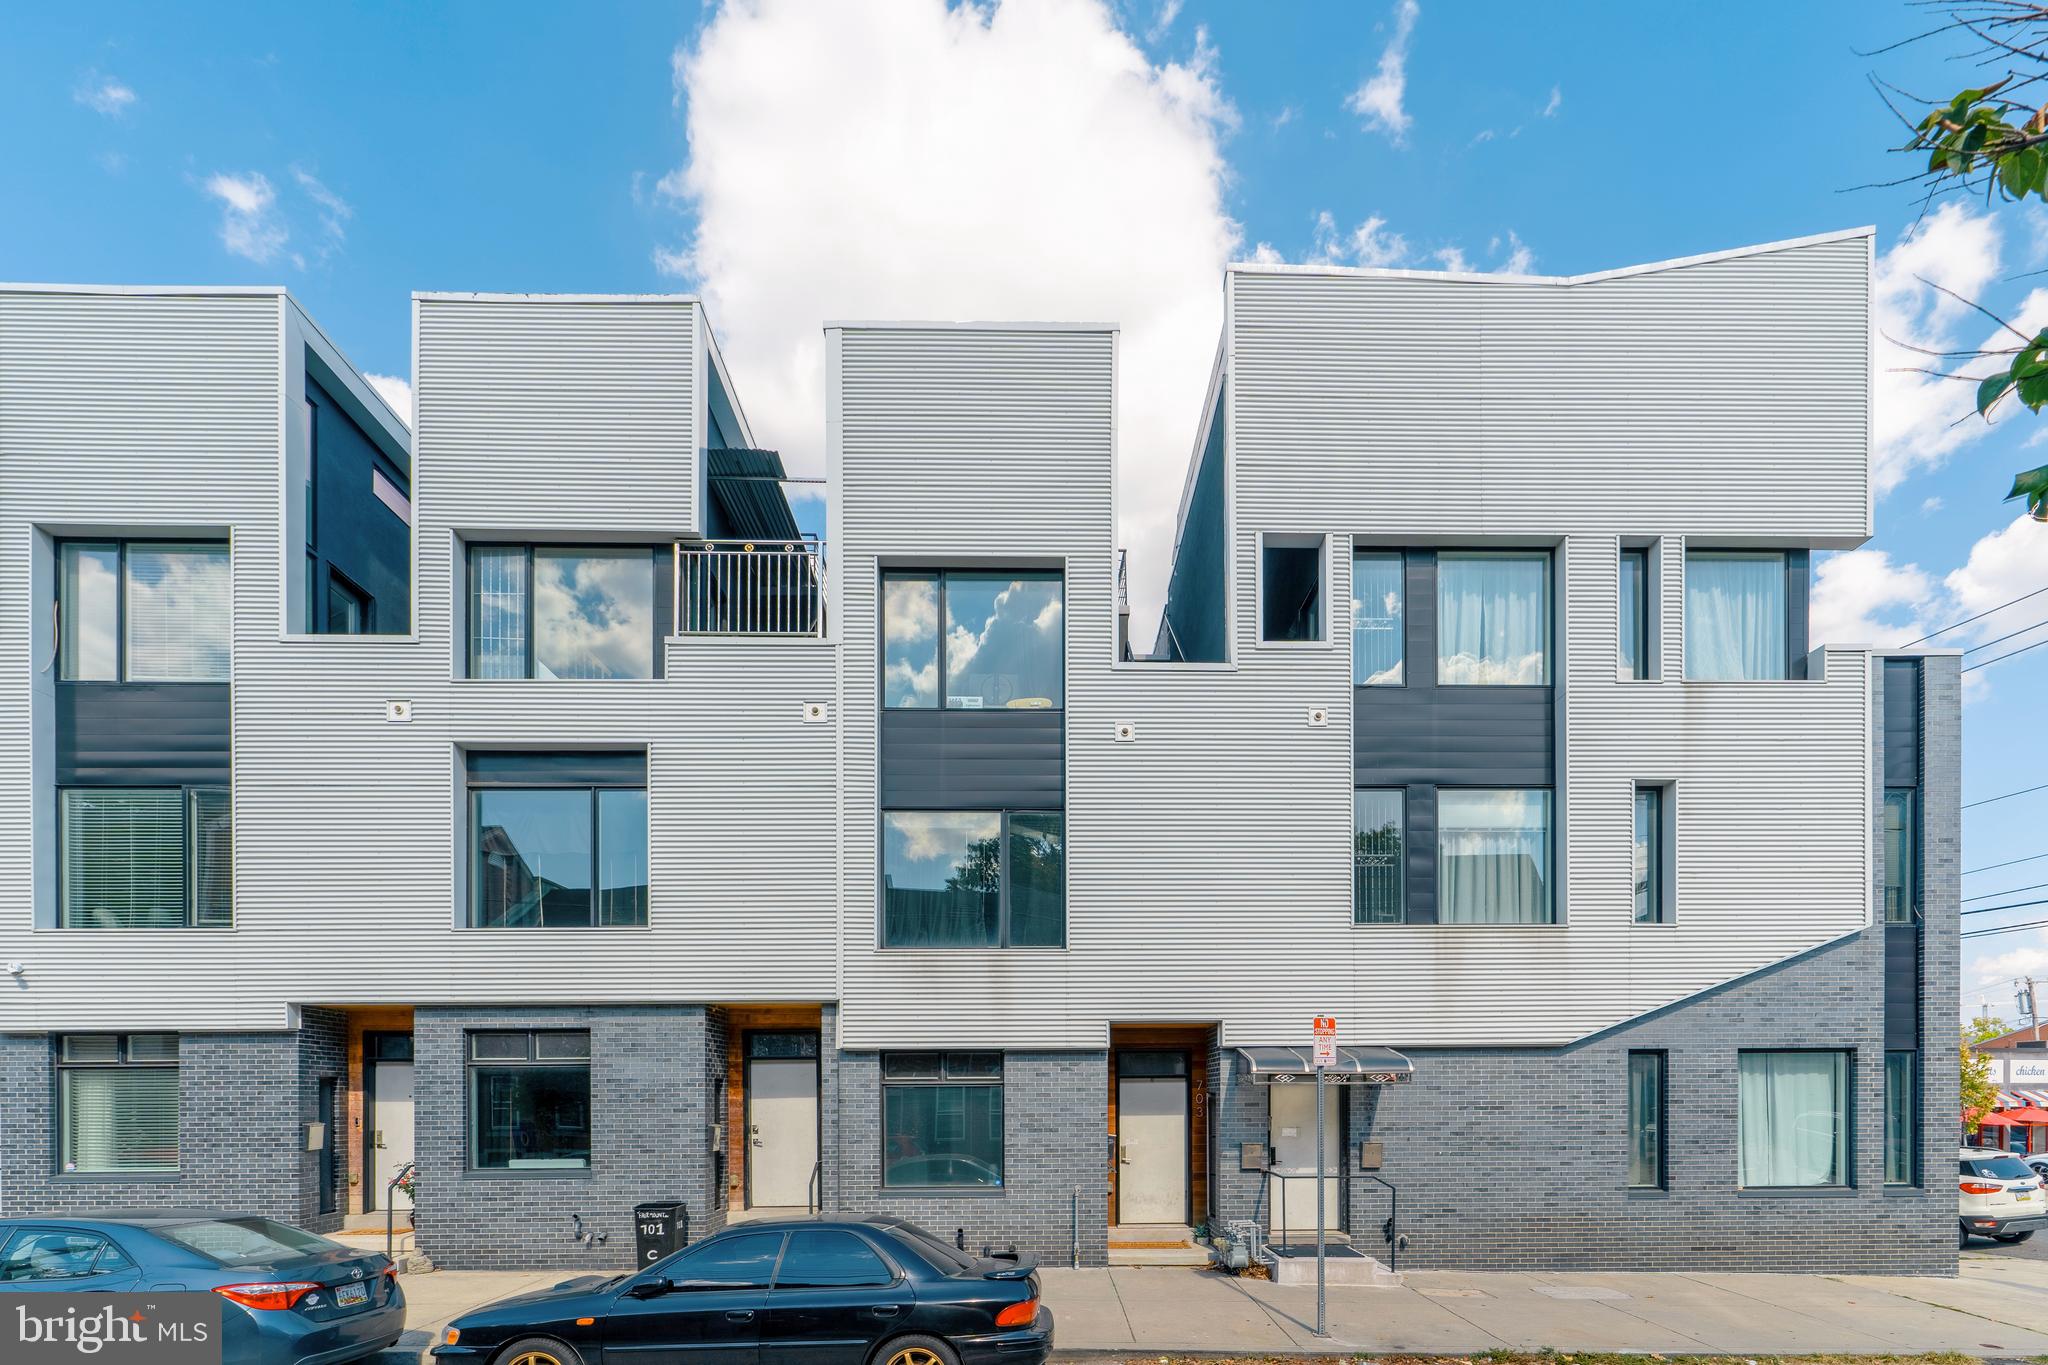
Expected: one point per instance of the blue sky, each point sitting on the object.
(797, 163)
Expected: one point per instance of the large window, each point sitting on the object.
(144, 611)
(529, 1100)
(1735, 621)
(117, 1103)
(973, 640)
(1646, 1120)
(1901, 1109)
(1291, 590)
(1794, 1119)
(1493, 856)
(550, 611)
(557, 839)
(1650, 869)
(145, 858)
(1493, 618)
(942, 1120)
(1901, 855)
(1635, 613)
(1378, 619)
(1377, 856)
(973, 879)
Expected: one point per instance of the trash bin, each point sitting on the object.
(660, 1228)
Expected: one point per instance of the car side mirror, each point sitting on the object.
(651, 1289)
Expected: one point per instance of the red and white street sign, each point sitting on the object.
(1326, 1041)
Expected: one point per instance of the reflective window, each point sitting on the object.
(973, 879)
(1493, 618)
(497, 612)
(90, 611)
(1901, 847)
(1901, 1103)
(910, 631)
(1378, 624)
(348, 609)
(145, 858)
(1290, 591)
(825, 1258)
(1735, 621)
(1493, 856)
(1635, 614)
(553, 856)
(532, 1111)
(245, 1241)
(1648, 869)
(942, 1123)
(1003, 645)
(117, 1103)
(1377, 856)
(39, 1254)
(139, 611)
(1793, 1128)
(743, 1261)
(555, 612)
(1646, 1120)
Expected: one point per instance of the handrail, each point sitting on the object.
(814, 1189)
(390, 1240)
(744, 587)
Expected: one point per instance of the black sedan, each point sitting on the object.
(795, 1291)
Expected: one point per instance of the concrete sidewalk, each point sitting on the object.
(1996, 1307)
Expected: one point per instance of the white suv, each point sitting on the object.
(2001, 1196)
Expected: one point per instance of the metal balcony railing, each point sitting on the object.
(744, 587)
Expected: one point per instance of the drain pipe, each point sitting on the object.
(1075, 1220)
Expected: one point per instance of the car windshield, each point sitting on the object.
(245, 1241)
(2000, 1168)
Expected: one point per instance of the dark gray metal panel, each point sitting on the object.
(142, 734)
(1420, 666)
(973, 760)
(1798, 589)
(1901, 986)
(353, 532)
(515, 768)
(1457, 736)
(1421, 853)
(1902, 722)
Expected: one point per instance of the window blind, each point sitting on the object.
(179, 610)
(211, 857)
(120, 1118)
(497, 612)
(123, 858)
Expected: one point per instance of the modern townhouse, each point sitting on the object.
(527, 798)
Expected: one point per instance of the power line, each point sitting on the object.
(2010, 862)
(2005, 929)
(1994, 909)
(2001, 639)
(1986, 663)
(1967, 619)
(2002, 796)
(2010, 890)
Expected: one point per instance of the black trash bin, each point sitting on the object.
(660, 1228)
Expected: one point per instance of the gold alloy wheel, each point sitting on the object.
(535, 1358)
(915, 1355)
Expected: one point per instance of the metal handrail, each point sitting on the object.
(814, 1189)
(745, 587)
(390, 1237)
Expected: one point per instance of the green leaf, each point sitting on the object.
(1973, 137)
(2033, 391)
(1938, 163)
(2032, 485)
(1991, 390)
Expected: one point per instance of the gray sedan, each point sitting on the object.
(288, 1297)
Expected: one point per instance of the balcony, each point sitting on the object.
(744, 587)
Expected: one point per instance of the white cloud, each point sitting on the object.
(2008, 564)
(1162, 20)
(1861, 597)
(1483, 135)
(1520, 259)
(1287, 115)
(1929, 506)
(249, 223)
(1025, 161)
(1556, 101)
(1379, 100)
(396, 393)
(1372, 244)
(334, 211)
(104, 94)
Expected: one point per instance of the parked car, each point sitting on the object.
(289, 1297)
(821, 1290)
(2001, 1196)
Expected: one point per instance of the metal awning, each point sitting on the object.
(1354, 1066)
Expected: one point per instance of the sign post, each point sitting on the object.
(1325, 1056)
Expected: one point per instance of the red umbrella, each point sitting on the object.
(2026, 1114)
(1995, 1121)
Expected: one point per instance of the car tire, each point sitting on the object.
(538, 1351)
(918, 1350)
(1962, 1236)
(2013, 1238)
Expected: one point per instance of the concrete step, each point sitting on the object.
(1343, 1266)
(1185, 1254)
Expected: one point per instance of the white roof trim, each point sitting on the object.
(485, 296)
(171, 290)
(905, 325)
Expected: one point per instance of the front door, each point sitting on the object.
(1152, 1149)
(390, 1130)
(782, 1131)
(1291, 1190)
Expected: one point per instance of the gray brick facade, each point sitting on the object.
(323, 1056)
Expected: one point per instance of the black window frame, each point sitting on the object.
(123, 1060)
(939, 578)
(1319, 607)
(1847, 1119)
(1635, 559)
(469, 549)
(1660, 881)
(120, 544)
(532, 1058)
(1553, 903)
(1795, 567)
(1400, 864)
(366, 605)
(188, 862)
(1908, 896)
(1400, 563)
(473, 786)
(1661, 1121)
(1913, 1156)
(1003, 908)
(952, 1069)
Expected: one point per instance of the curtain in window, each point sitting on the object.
(497, 612)
(1792, 1128)
(1493, 857)
(178, 613)
(119, 1119)
(1901, 877)
(1898, 1118)
(210, 825)
(123, 858)
(1493, 618)
(1734, 614)
(1646, 1120)
(1377, 622)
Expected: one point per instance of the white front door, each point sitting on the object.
(782, 1131)
(1152, 1150)
(390, 1130)
(1291, 1191)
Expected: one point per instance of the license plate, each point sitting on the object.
(349, 1295)
(2023, 1198)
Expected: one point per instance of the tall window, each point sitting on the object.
(1793, 1119)
(973, 879)
(557, 839)
(1291, 590)
(529, 1100)
(1901, 855)
(1646, 1120)
(1377, 856)
(1649, 868)
(145, 858)
(1002, 646)
(144, 611)
(942, 1120)
(550, 611)
(1493, 618)
(1901, 1105)
(1493, 856)
(1635, 613)
(1735, 614)
(117, 1103)
(1378, 618)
